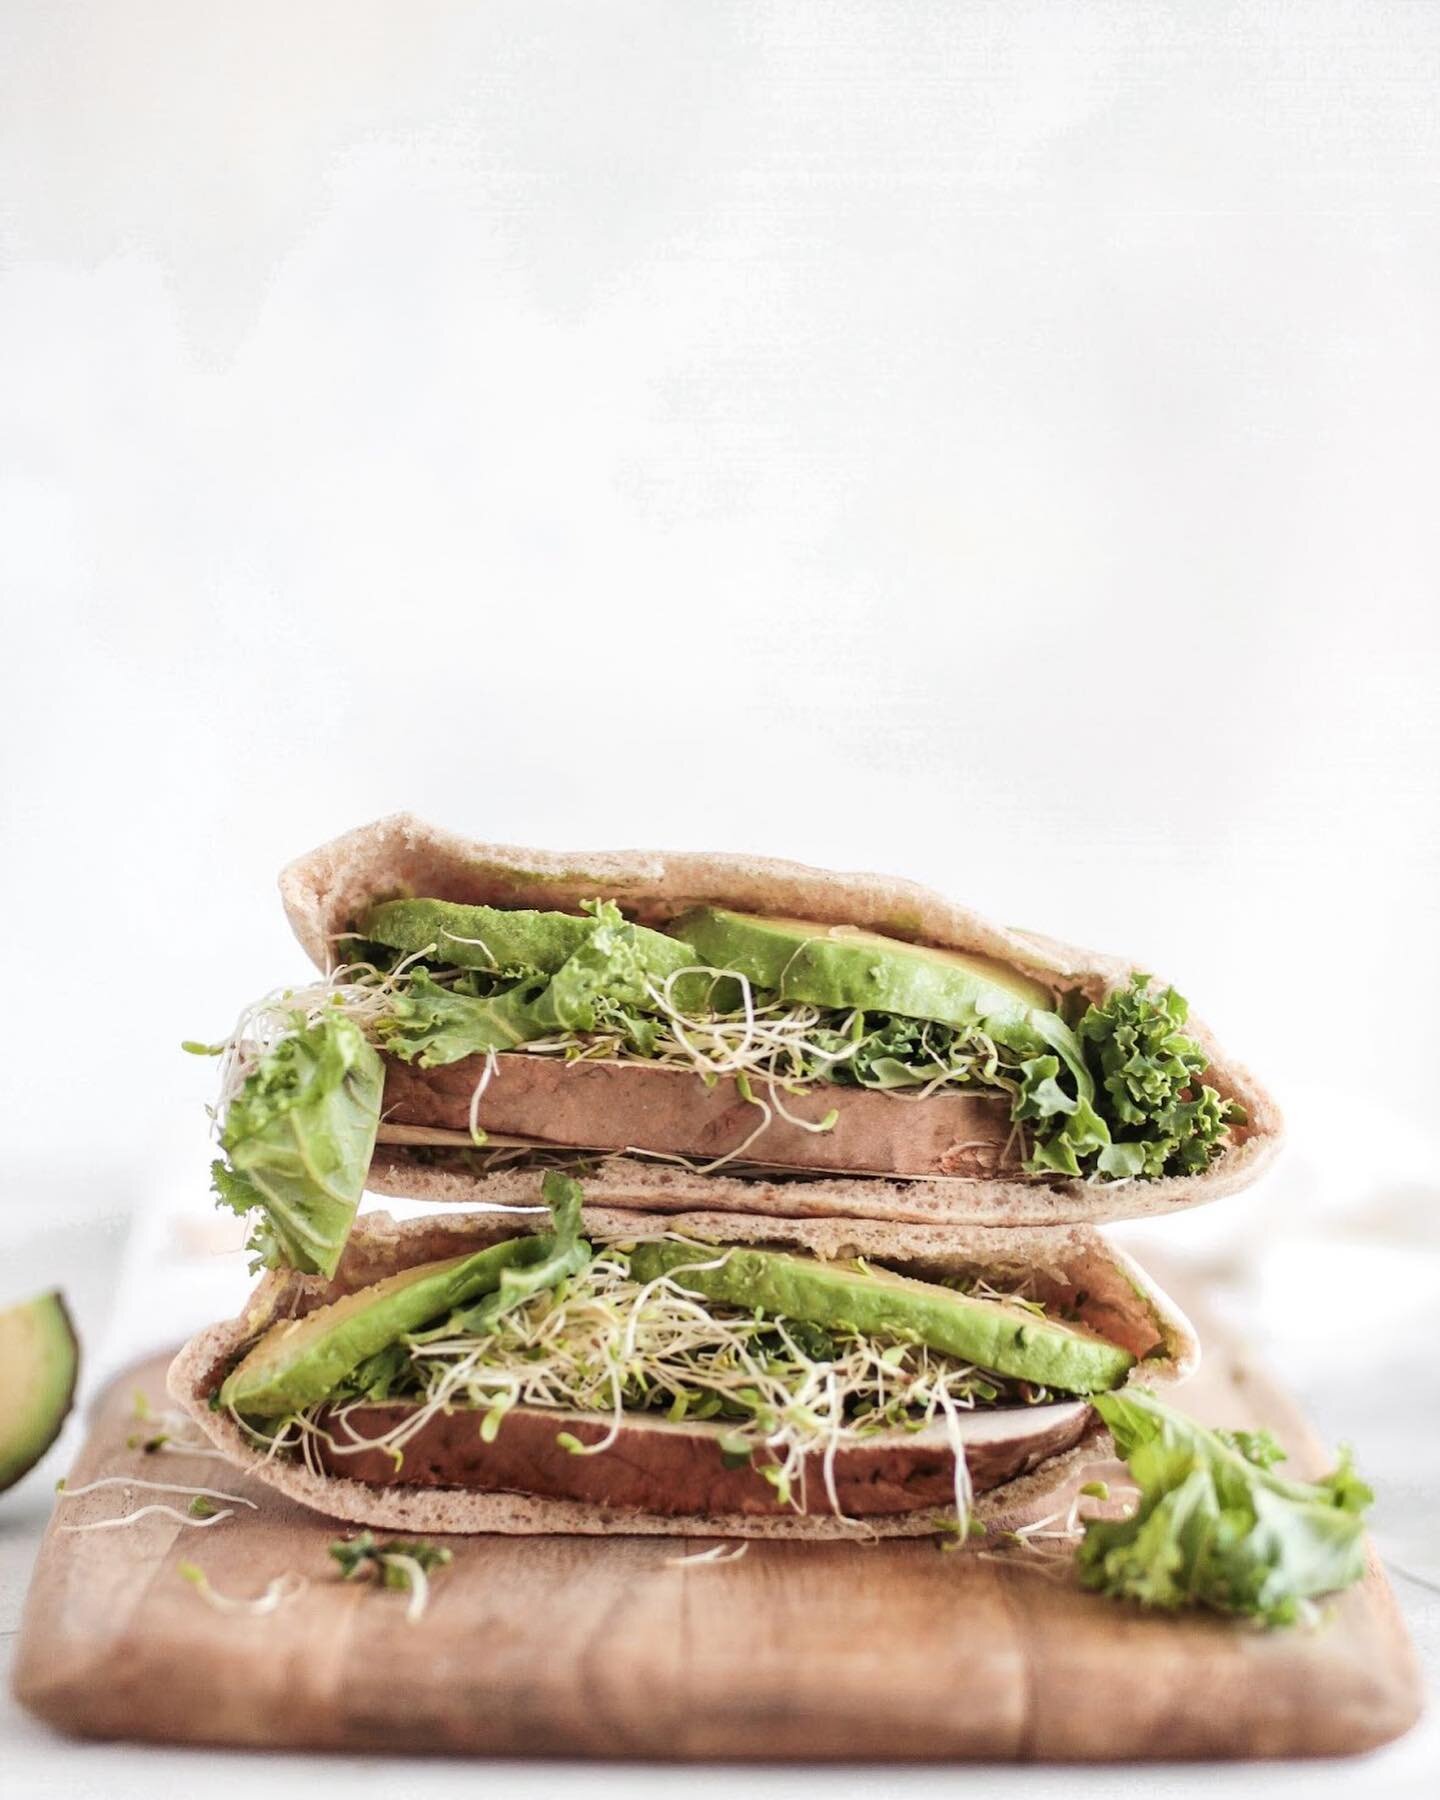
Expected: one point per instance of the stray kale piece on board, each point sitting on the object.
(1216, 1526)
(364, 1554)
(401, 1563)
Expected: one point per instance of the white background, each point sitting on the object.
(993, 443)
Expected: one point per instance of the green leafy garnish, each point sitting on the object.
(1163, 1119)
(364, 1555)
(1215, 1527)
(381, 1375)
(432, 1025)
(402, 1564)
(298, 1139)
(567, 1254)
(1257, 1447)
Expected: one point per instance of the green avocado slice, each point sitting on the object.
(843, 966)
(1008, 1340)
(39, 1360)
(498, 940)
(302, 1361)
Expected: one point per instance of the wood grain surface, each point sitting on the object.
(604, 1647)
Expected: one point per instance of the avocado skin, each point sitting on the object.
(508, 940)
(299, 1362)
(831, 966)
(876, 1303)
(39, 1361)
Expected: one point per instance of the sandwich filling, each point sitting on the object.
(774, 1363)
(777, 1011)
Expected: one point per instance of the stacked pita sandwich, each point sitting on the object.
(764, 1198)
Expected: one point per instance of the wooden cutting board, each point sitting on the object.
(603, 1647)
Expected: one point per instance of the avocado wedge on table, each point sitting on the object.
(1003, 1338)
(39, 1360)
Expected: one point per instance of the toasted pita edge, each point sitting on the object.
(1135, 1312)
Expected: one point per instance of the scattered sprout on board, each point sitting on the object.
(275, 1594)
(399, 1563)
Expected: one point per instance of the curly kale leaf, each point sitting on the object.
(1215, 1526)
(1160, 1118)
(888, 1050)
(1037, 1059)
(298, 1139)
(1145, 1058)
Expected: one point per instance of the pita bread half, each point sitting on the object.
(1073, 1264)
(328, 890)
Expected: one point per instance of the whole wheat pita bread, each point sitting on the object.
(1071, 1265)
(326, 891)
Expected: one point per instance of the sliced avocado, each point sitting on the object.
(39, 1360)
(495, 939)
(843, 966)
(301, 1361)
(478, 937)
(1009, 1340)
